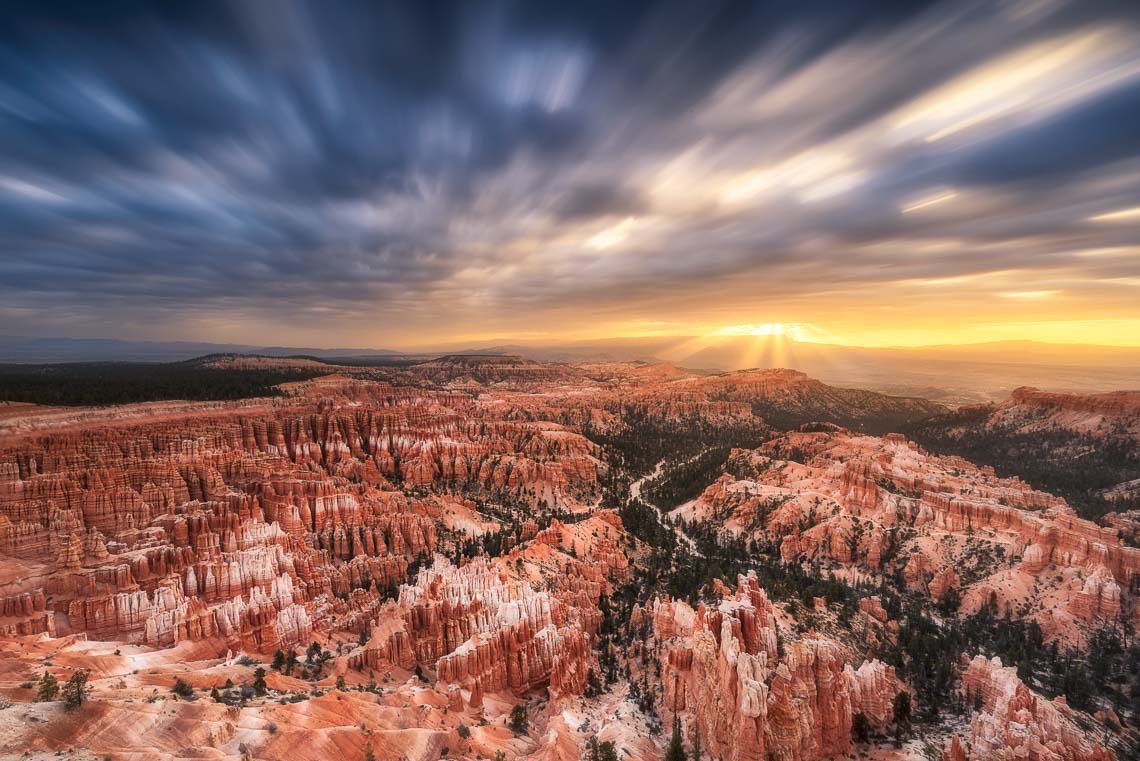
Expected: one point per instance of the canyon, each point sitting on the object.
(447, 559)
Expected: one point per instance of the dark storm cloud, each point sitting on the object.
(256, 158)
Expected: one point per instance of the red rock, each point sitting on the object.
(885, 506)
(1015, 722)
(717, 665)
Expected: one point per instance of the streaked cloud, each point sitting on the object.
(389, 175)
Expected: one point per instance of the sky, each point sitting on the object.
(403, 174)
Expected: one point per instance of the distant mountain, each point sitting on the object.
(950, 374)
(22, 349)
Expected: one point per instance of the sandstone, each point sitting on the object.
(1015, 722)
(722, 667)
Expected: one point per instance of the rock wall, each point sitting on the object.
(723, 667)
(1015, 722)
(885, 506)
(176, 521)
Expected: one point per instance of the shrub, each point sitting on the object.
(182, 689)
(519, 719)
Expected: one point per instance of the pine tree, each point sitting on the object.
(76, 690)
(49, 687)
(676, 750)
(696, 754)
(902, 717)
(259, 684)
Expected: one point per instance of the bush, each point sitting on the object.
(519, 719)
(182, 689)
(463, 731)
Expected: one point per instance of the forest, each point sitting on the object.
(103, 383)
(1072, 465)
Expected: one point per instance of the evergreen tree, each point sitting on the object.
(676, 749)
(49, 687)
(902, 717)
(76, 690)
(259, 684)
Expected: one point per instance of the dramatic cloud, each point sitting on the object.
(404, 173)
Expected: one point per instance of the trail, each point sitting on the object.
(635, 493)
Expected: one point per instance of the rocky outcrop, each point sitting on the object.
(1099, 598)
(173, 521)
(724, 668)
(886, 506)
(1121, 408)
(482, 628)
(1015, 722)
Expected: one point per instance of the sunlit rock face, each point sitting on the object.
(883, 505)
(484, 627)
(458, 548)
(1054, 434)
(181, 522)
(1113, 413)
(724, 669)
